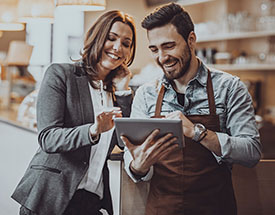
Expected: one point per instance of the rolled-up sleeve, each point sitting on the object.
(127, 160)
(241, 142)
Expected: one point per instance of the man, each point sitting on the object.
(217, 118)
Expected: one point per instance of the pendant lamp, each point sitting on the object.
(83, 5)
(30, 10)
(8, 17)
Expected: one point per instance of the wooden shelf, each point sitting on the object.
(234, 36)
(243, 67)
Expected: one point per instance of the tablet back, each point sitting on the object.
(137, 130)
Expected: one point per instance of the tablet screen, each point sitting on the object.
(137, 130)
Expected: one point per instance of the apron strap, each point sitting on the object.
(210, 93)
(159, 102)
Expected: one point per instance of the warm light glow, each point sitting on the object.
(82, 5)
(7, 16)
(1, 33)
(8, 12)
(29, 10)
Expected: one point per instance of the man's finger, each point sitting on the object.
(152, 136)
(165, 147)
(162, 141)
(126, 142)
(168, 147)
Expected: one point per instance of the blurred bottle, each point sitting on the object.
(266, 7)
(27, 110)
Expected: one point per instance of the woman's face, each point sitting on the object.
(117, 47)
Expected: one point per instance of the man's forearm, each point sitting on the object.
(211, 142)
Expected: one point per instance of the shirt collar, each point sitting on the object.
(202, 73)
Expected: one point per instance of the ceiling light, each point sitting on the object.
(83, 5)
(35, 10)
(8, 17)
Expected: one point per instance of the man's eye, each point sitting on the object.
(153, 50)
(169, 46)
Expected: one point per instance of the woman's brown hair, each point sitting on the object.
(95, 40)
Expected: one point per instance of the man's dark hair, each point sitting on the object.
(170, 13)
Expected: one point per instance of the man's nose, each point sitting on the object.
(162, 57)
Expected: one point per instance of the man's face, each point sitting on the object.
(170, 51)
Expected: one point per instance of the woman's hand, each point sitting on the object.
(104, 121)
(122, 78)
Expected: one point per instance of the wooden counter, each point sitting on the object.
(18, 145)
(254, 187)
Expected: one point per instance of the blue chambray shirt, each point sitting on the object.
(239, 137)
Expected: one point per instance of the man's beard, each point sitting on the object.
(186, 60)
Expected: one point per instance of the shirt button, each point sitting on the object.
(85, 163)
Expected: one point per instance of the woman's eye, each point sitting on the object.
(126, 44)
(111, 38)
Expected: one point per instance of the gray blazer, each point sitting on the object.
(63, 157)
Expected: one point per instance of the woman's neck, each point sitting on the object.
(102, 72)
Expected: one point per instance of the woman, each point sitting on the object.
(75, 109)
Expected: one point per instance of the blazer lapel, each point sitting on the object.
(86, 107)
(87, 110)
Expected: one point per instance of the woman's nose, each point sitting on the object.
(117, 46)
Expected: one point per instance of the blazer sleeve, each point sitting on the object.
(53, 135)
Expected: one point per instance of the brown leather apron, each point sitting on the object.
(189, 181)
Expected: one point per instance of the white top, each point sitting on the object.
(93, 179)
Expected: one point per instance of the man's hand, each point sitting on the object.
(187, 125)
(150, 151)
(211, 141)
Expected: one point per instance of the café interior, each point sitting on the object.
(236, 36)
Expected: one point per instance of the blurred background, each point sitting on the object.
(234, 36)
(237, 36)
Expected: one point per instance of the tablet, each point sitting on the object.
(137, 130)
